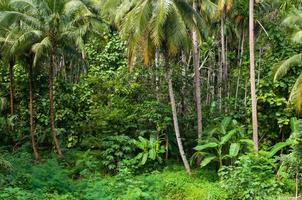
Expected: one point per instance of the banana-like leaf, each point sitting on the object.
(144, 160)
(228, 136)
(207, 160)
(277, 147)
(152, 154)
(206, 146)
(247, 141)
(234, 149)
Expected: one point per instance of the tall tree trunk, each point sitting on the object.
(223, 57)
(184, 84)
(30, 107)
(175, 120)
(240, 66)
(252, 75)
(196, 63)
(11, 87)
(51, 110)
(157, 73)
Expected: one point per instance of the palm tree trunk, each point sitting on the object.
(175, 120)
(11, 87)
(157, 73)
(252, 76)
(223, 57)
(31, 121)
(52, 112)
(240, 66)
(196, 63)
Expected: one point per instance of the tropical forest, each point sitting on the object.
(150, 99)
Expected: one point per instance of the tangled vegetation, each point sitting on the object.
(150, 99)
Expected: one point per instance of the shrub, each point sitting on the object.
(50, 177)
(115, 149)
(15, 193)
(252, 178)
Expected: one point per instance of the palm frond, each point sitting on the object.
(286, 65)
(39, 48)
(296, 94)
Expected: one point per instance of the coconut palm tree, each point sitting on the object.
(50, 27)
(5, 5)
(12, 47)
(158, 24)
(294, 22)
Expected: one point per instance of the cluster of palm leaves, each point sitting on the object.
(44, 33)
(294, 22)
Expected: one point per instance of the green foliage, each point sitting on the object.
(56, 181)
(116, 149)
(10, 193)
(151, 149)
(225, 134)
(86, 164)
(252, 177)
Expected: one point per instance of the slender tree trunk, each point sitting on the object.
(240, 66)
(208, 86)
(196, 63)
(52, 112)
(252, 75)
(184, 84)
(297, 185)
(175, 120)
(30, 107)
(157, 75)
(245, 92)
(223, 57)
(11, 87)
(166, 146)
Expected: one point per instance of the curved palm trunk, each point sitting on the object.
(196, 63)
(52, 112)
(252, 75)
(31, 121)
(175, 120)
(11, 87)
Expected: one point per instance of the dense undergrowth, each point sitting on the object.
(58, 179)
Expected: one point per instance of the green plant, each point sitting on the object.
(291, 163)
(116, 149)
(86, 164)
(151, 149)
(225, 135)
(252, 177)
(16, 193)
(56, 181)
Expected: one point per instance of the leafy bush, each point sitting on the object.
(16, 193)
(19, 173)
(252, 178)
(86, 164)
(51, 177)
(115, 149)
(226, 134)
(151, 149)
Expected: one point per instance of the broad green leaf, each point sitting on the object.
(152, 154)
(145, 157)
(228, 136)
(207, 160)
(234, 149)
(247, 141)
(277, 147)
(206, 146)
